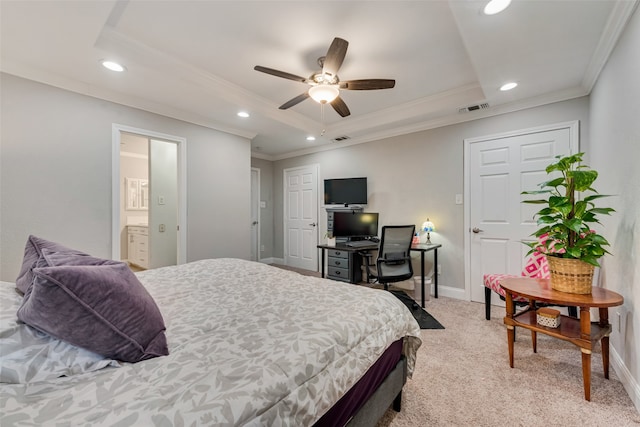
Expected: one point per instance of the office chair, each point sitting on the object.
(394, 261)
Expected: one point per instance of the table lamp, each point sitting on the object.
(428, 227)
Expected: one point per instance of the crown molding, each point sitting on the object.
(410, 110)
(448, 120)
(52, 79)
(138, 52)
(617, 22)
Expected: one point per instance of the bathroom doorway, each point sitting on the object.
(149, 198)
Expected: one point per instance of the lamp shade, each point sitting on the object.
(428, 226)
(324, 93)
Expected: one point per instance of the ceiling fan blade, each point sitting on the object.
(340, 107)
(298, 99)
(335, 56)
(367, 84)
(279, 73)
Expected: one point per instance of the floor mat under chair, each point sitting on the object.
(424, 319)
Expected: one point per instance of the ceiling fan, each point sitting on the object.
(325, 84)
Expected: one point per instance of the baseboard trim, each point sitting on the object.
(272, 260)
(630, 384)
(448, 291)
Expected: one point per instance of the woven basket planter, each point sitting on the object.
(569, 275)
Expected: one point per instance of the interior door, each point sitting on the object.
(301, 217)
(163, 211)
(499, 168)
(255, 214)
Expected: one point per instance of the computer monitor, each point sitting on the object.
(355, 224)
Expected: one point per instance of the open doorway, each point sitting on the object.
(148, 198)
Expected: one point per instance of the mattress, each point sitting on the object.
(249, 344)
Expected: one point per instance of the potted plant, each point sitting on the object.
(565, 236)
(331, 240)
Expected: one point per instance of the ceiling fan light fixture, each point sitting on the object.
(324, 93)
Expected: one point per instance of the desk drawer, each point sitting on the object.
(336, 253)
(338, 262)
(336, 273)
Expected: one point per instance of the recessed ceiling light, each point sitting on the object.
(311, 138)
(113, 66)
(508, 86)
(243, 114)
(496, 6)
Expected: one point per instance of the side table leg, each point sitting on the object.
(534, 341)
(605, 355)
(586, 372)
(604, 322)
(435, 268)
(511, 337)
(585, 334)
(422, 278)
(511, 329)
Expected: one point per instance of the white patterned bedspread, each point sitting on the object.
(249, 344)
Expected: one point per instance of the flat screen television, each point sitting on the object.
(345, 191)
(355, 224)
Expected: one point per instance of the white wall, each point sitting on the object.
(416, 176)
(615, 153)
(55, 174)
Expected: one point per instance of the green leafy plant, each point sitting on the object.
(565, 220)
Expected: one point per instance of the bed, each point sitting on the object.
(249, 344)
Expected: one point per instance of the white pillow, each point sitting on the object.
(29, 356)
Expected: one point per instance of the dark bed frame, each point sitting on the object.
(387, 394)
(367, 401)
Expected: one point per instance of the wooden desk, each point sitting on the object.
(422, 248)
(581, 332)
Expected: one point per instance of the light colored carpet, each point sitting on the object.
(463, 378)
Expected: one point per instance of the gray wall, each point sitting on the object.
(55, 175)
(615, 152)
(416, 176)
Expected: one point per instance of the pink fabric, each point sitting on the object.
(536, 266)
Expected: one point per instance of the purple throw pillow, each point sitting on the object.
(102, 308)
(33, 252)
(51, 258)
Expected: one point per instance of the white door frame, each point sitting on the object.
(116, 132)
(257, 229)
(574, 130)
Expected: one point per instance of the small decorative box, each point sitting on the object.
(548, 317)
